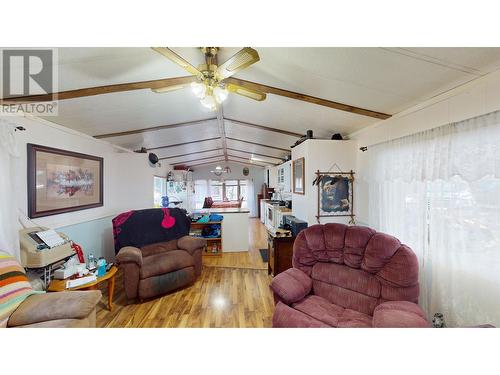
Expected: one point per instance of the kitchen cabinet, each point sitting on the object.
(284, 178)
(272, 173)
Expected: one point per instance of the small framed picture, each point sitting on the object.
(62, 181)
(298, 168)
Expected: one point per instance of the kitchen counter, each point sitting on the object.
(229, 210)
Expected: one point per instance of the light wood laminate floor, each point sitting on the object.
(232, 291)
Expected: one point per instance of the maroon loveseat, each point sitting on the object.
(348, 276)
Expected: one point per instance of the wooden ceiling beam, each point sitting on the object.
(155, 128)
(307, 98)
(183, 143)
(262, 127)
(258, 144)
(254, 153)
(99, 90)
(190, 153)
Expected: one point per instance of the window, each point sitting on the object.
(216, 191)
(201, 191)
(159, 190)
(438, 191)
(230, 190)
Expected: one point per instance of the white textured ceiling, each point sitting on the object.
(381, 79)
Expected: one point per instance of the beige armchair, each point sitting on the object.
(57, 310)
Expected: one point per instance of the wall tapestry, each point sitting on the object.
(335, 194)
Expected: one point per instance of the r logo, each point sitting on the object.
(27, 72)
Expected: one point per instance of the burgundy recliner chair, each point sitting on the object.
(348, 276)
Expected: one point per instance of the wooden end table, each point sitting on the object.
(60, 285)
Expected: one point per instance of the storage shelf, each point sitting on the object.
(210, 240)
(209, 223)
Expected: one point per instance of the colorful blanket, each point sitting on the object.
(14, 286)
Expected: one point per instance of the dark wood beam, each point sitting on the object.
(190, 153)
(183, 143)
(191, 160)
(258, 144)
(307, 98)
(99, 90)
(154, 128)
(254, 153)
(262, 127)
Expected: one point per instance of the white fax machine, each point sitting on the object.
(41, 247)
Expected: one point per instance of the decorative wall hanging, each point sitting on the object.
(298, 168)
(62, 181)
(335, 194)
(246, 171)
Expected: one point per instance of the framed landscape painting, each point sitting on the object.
(62, 181)
(298, 169)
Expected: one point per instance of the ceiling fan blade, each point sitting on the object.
(242, 59)
(162, 90)
(169, 54)
(246, 92)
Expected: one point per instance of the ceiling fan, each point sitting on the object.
(209, 81)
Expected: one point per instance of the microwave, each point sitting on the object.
(274, 216)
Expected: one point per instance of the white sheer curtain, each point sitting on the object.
(9, 240)
(439, 192)
(251, 201)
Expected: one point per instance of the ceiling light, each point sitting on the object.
(209, 102)
(253, 158)
(220, 94)
(199, 89)
(219, 168)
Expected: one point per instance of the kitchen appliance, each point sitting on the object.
(294, 224)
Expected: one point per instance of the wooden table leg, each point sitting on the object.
(111, 290)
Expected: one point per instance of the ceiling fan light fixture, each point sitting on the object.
(209, 102)
(199, 89)
(220, 94)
